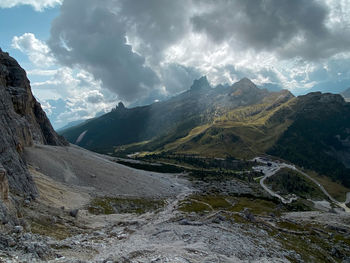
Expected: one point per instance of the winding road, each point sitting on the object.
(269, 168)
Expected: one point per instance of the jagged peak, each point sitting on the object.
(245, 85)
(200, 84)
(246, 82)
(121, 105)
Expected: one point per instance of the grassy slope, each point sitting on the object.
(336, 190)
(314, 139)
(242, 133)
(287, 181)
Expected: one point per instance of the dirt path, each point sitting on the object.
(168, 236)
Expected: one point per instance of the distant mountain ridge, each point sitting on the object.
(167, 120)
(240, 120)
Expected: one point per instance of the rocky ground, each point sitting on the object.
(166, 235)
(203, 221)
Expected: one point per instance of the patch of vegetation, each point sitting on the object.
(291, 226)
(201, 168)
(315, 246)
(300, 205)
(256, 205)
(57, 231)
(159, 168)
(336, 190)
(314, 140)
(199, 162)
(113, 205)
(208, 203)
(287, 181)
(202, 203)
(207, 176)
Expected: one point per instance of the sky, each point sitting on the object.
(84, 56)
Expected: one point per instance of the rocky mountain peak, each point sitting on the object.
(22, 123)
(245, 84)
(200, 84)
(323, 98)
(121, 105)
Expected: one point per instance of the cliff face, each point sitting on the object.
(22, 122)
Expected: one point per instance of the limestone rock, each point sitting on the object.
(4, 186)
(22, 122)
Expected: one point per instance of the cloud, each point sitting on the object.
(154, 25)
(177, 78)
(91, 35)
(290, 29)
(95, 97)
(38, 5)
(37, 51)
(142, 51)
(66, 94)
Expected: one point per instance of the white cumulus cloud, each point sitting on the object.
(37, 51)
(38, 5)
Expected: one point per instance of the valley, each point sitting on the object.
(215, 174)
(200, 217)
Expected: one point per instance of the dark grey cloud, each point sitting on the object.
(94, 35)
(158, 23)
(294, 28)
(178, 78)
(95, 98)
(91, 34)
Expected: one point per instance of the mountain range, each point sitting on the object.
(240, 121)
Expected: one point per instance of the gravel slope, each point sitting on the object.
(98, 173)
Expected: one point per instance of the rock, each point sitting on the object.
(218, 219)
(74, 212)
(248, 215)
(22, 123)
(109, 259)
(27, 236)
(4, 186)
(18, 229)
(11, 242)
(184, 222)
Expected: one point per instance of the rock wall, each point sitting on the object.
(22, 122)
(4, 186)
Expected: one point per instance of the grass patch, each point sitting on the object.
(291, 226)
(203, 203)
(207, 203)
(336, 190)
(56, 231)
(159, 168)
(256, 206)
(190, 206)
(113, 205)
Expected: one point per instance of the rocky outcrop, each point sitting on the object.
(4, 186)
(22, 123)
(200, 84)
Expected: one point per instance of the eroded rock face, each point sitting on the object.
(4, 186)
(22, 122)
